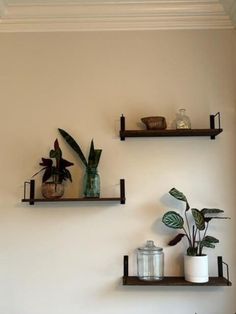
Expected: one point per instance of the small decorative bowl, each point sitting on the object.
(155, 123)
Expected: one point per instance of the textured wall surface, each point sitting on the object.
(67, 258)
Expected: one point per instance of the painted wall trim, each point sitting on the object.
(116, 15)
(233, 13)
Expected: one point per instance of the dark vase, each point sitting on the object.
(91, 183)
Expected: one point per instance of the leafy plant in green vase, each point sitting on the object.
(91, 184)
(194, 226)
(55, 172)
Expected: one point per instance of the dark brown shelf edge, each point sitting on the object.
(174, 281)
(165, 133)
(31, 200)
(84, 199)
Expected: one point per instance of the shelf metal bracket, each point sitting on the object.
(212, 122)
(31, 191)
(122, 128)
(126, 269)
(122, 191)
(220, 263)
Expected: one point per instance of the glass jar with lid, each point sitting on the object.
(182, 121)
(150, 260)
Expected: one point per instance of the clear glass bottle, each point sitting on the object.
(150, 259)
(91, 184)
(182, 120)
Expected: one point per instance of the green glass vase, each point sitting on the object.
(91, 184)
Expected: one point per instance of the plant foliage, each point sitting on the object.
(94, 154)
(57, 171)
(196, 228)
(179, 196)
(173, 220)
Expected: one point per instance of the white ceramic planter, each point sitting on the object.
(196, 268)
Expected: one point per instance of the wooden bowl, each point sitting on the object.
(154, 123)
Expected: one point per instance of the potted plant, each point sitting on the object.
(55, 172)
(91, 182)
(194, 227)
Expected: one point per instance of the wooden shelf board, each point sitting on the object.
(84, 199)
(174, 281)
(165, 133)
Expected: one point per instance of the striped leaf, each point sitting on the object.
(207, 244)
(173, 220)
(179, 196)
(206, 211)
(210, 239)
(198, 218)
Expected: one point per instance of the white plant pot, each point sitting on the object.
(196, 268)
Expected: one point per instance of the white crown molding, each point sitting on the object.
(112, 15)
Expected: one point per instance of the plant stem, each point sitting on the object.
(189, 239)
(199, 243)
(193, 235)
(186, 218)
(201, 247)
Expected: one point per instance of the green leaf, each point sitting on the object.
(55, 154)
(192, 251)
(173, 220)
(179, 196)
(176, 239)
(207, 219)
(206, 211)
(69, 139)
(207, 244)
(198, 218)
(210, 239)
(94, 156)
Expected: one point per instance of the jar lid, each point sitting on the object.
(150, 246)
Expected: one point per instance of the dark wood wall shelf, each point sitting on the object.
(31, 200)
(176, 281)
(212, 132)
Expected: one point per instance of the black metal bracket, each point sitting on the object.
(220, 263)
(125, 269)
(31, 192)
(122, 128)
(126, 265)
(122, 191)
(212, 122)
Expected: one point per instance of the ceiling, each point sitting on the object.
(91, 15)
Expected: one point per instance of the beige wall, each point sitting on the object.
(67, 258)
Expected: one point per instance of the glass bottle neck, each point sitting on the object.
(91, 170)
(182, 112)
